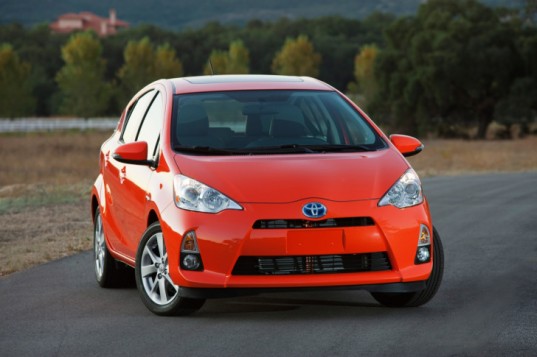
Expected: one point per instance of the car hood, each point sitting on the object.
(289, 178)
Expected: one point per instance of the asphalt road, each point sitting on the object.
(487, 305)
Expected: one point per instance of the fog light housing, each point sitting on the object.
(423, 254)
(190, 261)
(190, 258)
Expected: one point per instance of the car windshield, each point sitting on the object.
(269, 122)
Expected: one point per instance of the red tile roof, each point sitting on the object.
(103, 26)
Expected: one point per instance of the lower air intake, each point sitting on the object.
(312, 264)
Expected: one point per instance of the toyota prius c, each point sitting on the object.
(219, 186)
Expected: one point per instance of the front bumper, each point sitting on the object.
(214, 293)
(225, 237)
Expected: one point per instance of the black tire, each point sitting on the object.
(432, 284)
(157, 291)
(109, 273)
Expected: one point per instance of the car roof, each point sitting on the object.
(245, 82)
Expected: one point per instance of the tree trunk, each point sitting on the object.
(482, 126)
(484, 118)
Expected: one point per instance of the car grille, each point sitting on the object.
(312, 264)
(303, 223)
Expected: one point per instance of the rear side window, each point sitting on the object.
(135, 118)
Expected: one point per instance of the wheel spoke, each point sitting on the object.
(148, 270)
(152, 256)
(99, 228)
(162, 291)
(152, 285)
(160, 243)
(175, 287)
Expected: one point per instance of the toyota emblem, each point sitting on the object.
(314, 210)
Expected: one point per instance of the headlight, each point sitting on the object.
(192, 195)
(405, 192)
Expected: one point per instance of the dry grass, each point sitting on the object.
(39, 234)
(44, 188)
(455, 157)
(51, 158)
(45, 181)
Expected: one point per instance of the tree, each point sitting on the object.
(217, 63)
(138, 68)
(297, 57)
(530, 11)
(167, 65)
(238, 58)
(143, 65)
(41, 49)
(234, 61)
(82, 87)
(364, 74)
(336, 39)
(16, 98)
(519, 106)
(450, 64)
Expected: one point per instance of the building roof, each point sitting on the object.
(103, 26)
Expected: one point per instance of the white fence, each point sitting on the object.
(52, 124)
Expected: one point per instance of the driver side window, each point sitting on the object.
(136, 116)
(151, 126)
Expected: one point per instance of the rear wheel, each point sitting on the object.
(108, 272)
(157, 290)
(432, 284)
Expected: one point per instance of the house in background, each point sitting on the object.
(103, 26)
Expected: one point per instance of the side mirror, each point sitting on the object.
(133, 153)
(407, 145)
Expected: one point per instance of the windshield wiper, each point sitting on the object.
(270, 150)
(308, 149)
(281, 149)
(206, 150)
(341, 148)
(298, 148)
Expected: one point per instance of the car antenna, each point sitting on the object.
(211, 65)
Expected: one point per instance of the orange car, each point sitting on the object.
(218, 186)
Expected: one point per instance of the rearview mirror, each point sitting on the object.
(407, 145)
(133, 153)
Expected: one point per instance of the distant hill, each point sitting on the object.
(180, 14)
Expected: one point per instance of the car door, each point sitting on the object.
(136, 178)
(123, 200)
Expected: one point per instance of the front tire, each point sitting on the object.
(157, 290)
(432, 284)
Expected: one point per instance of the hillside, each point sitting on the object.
(194, 13)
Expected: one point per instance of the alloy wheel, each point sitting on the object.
(154, 272)
(99, 247)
